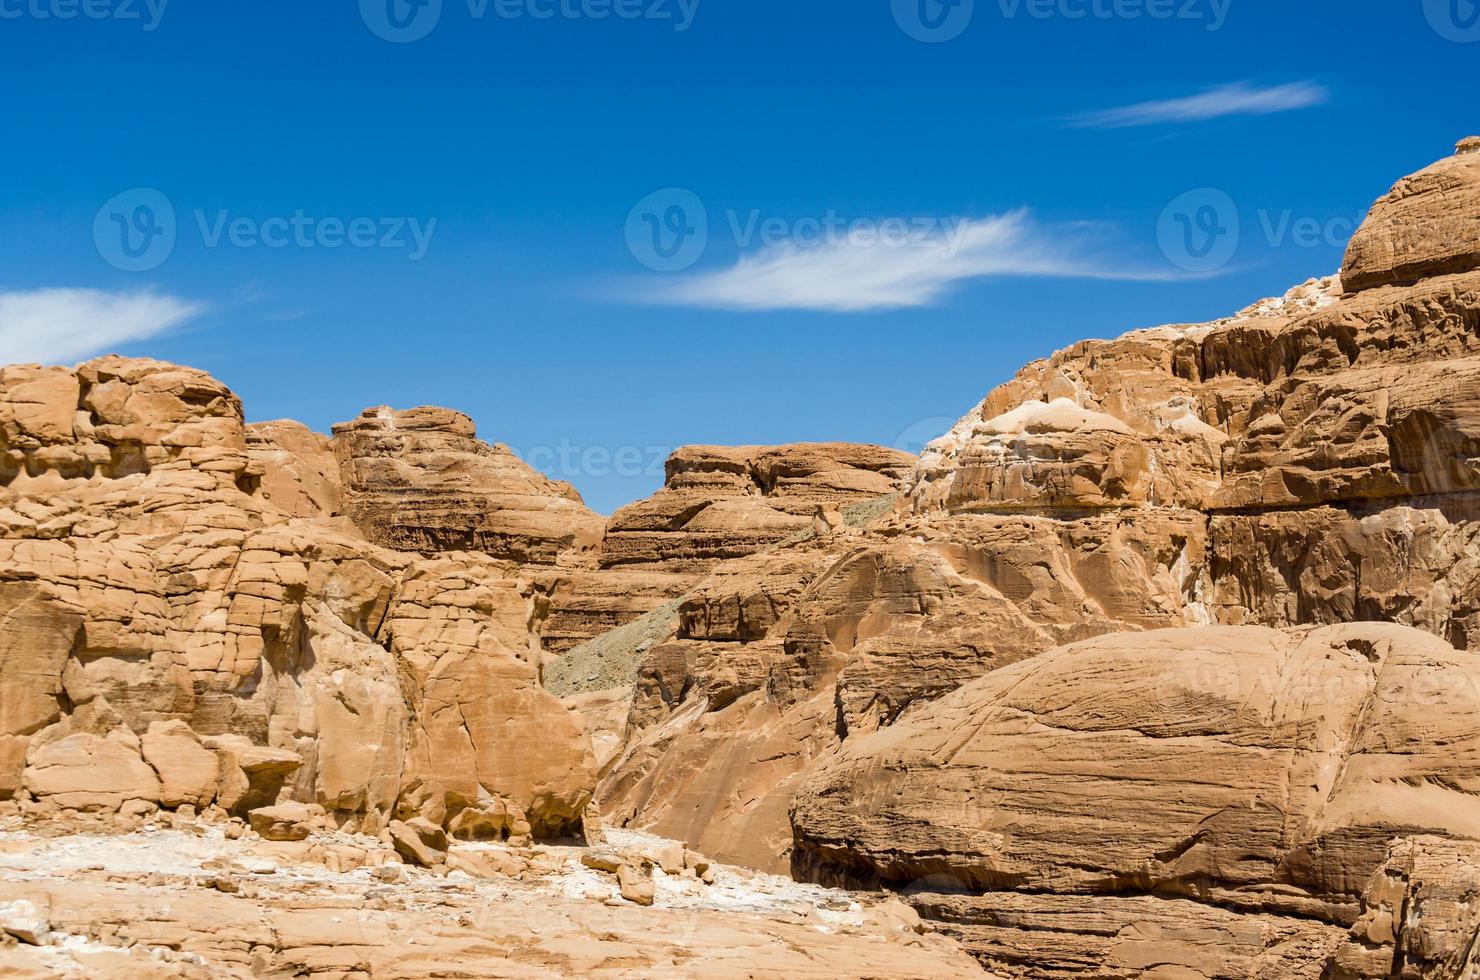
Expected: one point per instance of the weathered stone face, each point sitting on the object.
(718, 504)
(1428, 225)
(1311, 461)
(421, 481)
(184, 621)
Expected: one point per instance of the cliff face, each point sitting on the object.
(1160, 662)
(1311, 461)
(170, 577)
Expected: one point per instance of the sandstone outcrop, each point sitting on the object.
(1307, 462)
(1427, 225)
(421, 481)
(186, 620)
(779, 658)
(1246, 769)
(717, 503)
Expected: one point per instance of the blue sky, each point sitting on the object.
(1032, 158)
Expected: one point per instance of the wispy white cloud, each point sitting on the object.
(60, 326)
(1238, 99)
(850, 277)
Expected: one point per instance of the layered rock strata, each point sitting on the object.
(184, 621)
(717, 503)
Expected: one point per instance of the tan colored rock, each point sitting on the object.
(189, 773)
(306, 919)
(608, 861)
(670, 858)
(349, 724)
(24, 921)
(1427, 225)
(419, 841)
(636, 884)
(491, 864)
(717, 503)
(781, 658)
(89, 762)
(485, 737)
(1418, 916)
(1064, 936)
(286, 821)
(1045, 456)
(300, 474)
(421, 481)
(1247, 766)
(730, 502)
(252, 776)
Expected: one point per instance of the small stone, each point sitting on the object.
(24, 921)
(671, 859)
(419, 841)
(607, 861)
(286, 821)
(637, 885)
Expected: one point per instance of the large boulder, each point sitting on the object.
(1264, 771)
(491, 753)
(1427, 225)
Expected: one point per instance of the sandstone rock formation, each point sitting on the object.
(185, 620)
(1307, 462)
(1428, 225)
(1159, 663)
(717, 503)
(421, 481)
(1251, 770)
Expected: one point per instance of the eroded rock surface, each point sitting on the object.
(717, 503)
(1159, 663)
(185, 621)
(191, 903)
(422, 481)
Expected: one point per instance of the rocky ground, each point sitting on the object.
(194, 898)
